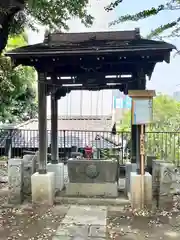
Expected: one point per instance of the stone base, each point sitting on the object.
(43, 188)
(130, 167)
(58, 170)
(136, 197)
(92, 189)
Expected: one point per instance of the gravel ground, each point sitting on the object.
(30, 222)
(127, 224)
(27, 221)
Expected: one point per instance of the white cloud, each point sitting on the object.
(102, 18)
(96, 8)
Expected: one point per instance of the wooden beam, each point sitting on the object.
(141, 93)
(92, 88)
(89, 82)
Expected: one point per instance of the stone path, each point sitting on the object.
(83, 223)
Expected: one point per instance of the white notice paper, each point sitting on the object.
(142, 111)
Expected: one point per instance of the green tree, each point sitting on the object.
(53, 14)
(163, 135)
(171, 5)
(16, 15)
(18, 95)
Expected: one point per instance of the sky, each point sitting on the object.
(165, 77)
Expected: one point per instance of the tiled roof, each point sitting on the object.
(67, 139)
(73, 43)
(83, 123)
(77, 131)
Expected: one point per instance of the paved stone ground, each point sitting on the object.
(83, 222)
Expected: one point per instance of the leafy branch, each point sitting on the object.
(172, 5)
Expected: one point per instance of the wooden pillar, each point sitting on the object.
(138, 134)
(42, 121)
(135, 129)
(133, 137)
(54, 129)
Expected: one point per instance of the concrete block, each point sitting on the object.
(86, 215)
(72, 230)
(58, 170)
(43, 188)
(136, 197)
(130, 167)
(15, 181)
(148, 190)
(92, 189)
(97, 231)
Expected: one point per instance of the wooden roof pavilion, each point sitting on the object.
(93, 61)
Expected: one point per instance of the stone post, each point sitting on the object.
(168, 184)
(15, 181)
(156, 177)
(29, 162)
(166, 178)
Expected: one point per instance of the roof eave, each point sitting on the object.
(26, 54)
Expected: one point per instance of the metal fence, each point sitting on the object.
(164, 145)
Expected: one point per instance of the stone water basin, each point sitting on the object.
(92, 171)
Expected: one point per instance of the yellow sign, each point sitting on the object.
(142, 148)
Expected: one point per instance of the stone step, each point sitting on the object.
(120, 201)
(83, 222)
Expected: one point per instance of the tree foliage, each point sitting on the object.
(53, 14)
(17, 91)
(18, 95)
(171, 5)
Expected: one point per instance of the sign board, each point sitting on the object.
(142, 111)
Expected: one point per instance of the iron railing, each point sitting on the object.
(163, 145)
